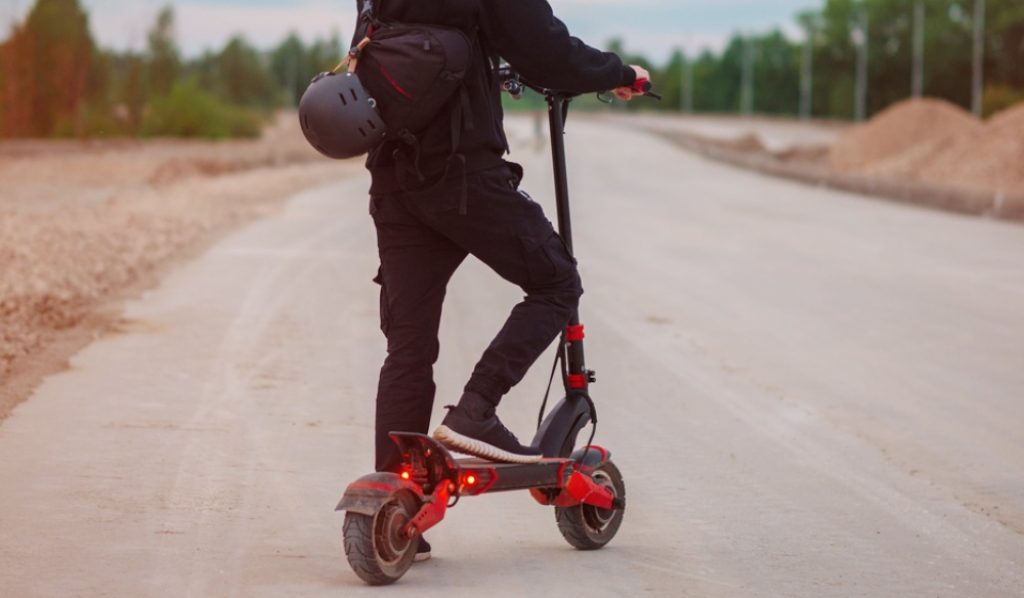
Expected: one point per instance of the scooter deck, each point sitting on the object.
(428, 461)
(480, 475)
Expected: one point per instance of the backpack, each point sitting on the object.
(414, 72)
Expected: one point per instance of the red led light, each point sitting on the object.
(471, 480)
(405, 475)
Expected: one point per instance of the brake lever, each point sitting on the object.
(642, 86)
(645, 87)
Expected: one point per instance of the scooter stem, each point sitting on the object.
(558, 110)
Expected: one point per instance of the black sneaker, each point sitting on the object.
(422, 551)
(476, 430)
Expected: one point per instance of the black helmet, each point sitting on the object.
(339, 118)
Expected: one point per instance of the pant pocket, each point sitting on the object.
(548, 261)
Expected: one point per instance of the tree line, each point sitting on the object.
(779, 68)
(56, 82)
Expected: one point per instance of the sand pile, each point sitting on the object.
(917, 126)
(991, 158)
(937, 143)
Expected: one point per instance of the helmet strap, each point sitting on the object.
(351, 60)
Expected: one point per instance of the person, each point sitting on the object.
(425, 231)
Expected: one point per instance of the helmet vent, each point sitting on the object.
(355, 97)
(343, 100)
(362, 132)
(372, 126)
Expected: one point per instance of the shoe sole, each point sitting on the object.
(477, 448)
(421, 556)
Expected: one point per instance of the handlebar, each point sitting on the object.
(515, 85)
(512, 84)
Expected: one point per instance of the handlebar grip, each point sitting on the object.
(644, 87)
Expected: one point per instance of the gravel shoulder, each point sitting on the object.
(85, 225)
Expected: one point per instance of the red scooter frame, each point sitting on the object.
(436, 478)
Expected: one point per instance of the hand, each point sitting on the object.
(628, 93)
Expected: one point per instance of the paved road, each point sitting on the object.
(810, 394)
(775, 133)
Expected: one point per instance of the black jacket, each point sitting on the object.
(525, 33)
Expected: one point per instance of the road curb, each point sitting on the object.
(951, 199)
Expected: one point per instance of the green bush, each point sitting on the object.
(188, 111)
(1000, 97)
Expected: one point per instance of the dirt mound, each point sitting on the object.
(991, 158)
(909, 125)
(935, 142)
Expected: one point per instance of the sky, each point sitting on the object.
(652, 27)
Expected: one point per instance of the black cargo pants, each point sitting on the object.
(423, 237)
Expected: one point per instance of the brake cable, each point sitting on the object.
(559, 359)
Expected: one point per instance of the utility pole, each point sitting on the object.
(747, 84)
(917, 77)
(687, 94)
(861, 99)
(293, 75)
(682, 81)
(689, 87)
(807, 76)
(979, 56)
(684, 67)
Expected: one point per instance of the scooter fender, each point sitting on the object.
(558, 432)
(371, 492)
(588, 459)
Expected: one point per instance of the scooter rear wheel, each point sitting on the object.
(587, 527)
(377, 548)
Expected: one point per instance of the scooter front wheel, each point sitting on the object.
(587, 527)
(377, 548)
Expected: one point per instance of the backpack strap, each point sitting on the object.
(458, 119)
(461, 119)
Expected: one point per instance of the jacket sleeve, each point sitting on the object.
(537, 44)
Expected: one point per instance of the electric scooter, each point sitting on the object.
(386, 513)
